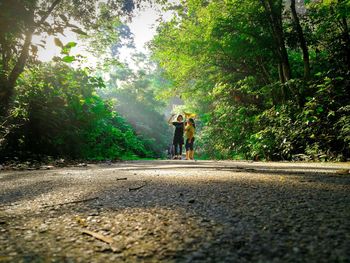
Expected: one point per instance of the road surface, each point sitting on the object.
(177, 211)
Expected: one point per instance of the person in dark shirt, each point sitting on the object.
(178, 139)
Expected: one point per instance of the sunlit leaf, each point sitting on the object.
(58, 42)
(68, 59)
(70, 44)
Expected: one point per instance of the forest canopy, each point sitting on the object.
(270, 79)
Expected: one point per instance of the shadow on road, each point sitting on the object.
(205, 212)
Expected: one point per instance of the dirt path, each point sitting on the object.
(177, 211)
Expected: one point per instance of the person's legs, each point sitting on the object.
(187, 150)
(180, 151)
(191, 150)
(175, 149)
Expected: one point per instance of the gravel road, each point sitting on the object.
(177, 211)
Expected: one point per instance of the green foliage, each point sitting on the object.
(21, 20)
(135, 101)
(58, 113)
(239, 64)
(317, 131)
(230, 50)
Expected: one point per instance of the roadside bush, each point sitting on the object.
(57, 112)
(313, 127)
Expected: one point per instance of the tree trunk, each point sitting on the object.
(285, 62)
(8, 82)
(5, 95)
(275, 21)
(302, 40)
(280, 73)
(345, 35)
(8, 85)
(22, 60)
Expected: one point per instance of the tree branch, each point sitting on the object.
(19, 67)
(48, 12)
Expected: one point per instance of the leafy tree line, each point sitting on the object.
(21, 19)
(53, 109)
(57, 112)
(270, 79)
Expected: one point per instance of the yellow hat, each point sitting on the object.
(190, 115)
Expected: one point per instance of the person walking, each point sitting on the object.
(178, 139)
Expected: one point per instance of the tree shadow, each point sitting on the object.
(305, 173)
(239, 218)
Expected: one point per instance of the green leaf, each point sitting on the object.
(70, 44)
(68, 59)
(66, 49)
(319, 109)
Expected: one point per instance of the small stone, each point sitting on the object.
(191, 201)
(28, 237)
(188, 240)
(42, 228)
(94, 214)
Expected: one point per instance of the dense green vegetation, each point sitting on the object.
(58, 109)
(135, 99)
(58, 113)
(270, 79)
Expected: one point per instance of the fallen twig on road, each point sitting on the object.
(121, 179)
(136, 188)
(101, 237)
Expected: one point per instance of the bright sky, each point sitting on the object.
(143, 26)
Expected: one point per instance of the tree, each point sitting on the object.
(57, 112)
(21, 19)
(135, 99)
(273, 11)
(232, 62)
(302, 40)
